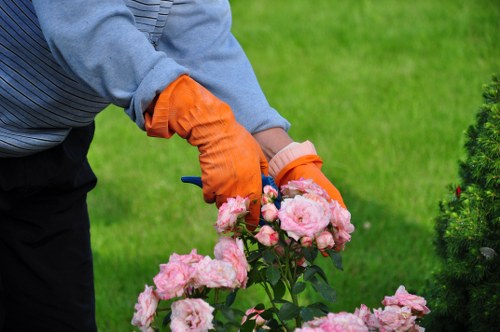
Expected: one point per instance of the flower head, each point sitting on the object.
(214, 273)
(267, 236)
(402, 298)
(145, 309)
(303, 186)
(172, 279)
(191, 315)
(301, 216)
(230, 212)
(340, 322)
(395, 318)
(231, 250)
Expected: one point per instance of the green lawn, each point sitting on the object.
(385, 89)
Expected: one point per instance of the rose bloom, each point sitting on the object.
(191, 315)
(191, 259)
(230, 212)
(306, 241)
(257, 318)
(269, 212)
(341, 221)
(303, 186)
(395, 318)
(402, 298)
(214, 274)
(269, 194)
(324, 240)
(231, 250)
(172, 279)
(301, 216)
(367, 316)
(340, 322)
(145, 309)
(267, 236)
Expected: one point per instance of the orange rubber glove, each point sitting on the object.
(231, 160)
(298, 161)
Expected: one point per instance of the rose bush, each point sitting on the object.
(196, 292)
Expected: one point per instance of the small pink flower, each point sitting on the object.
(269, 195)
(230, 212)
(231, 250)
(402, 298)
(303, 186)
(306, 241)
(324, 240)
(213, 273)
(259, 321)
(367, 316)
(395, 318)
(267, 236)
(145, 309)
(301, 216)
(172, 279)
(341, 222)
(339, 322)
(269, 212)
(191, 315)
(190, 259)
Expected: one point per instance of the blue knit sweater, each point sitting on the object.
(62, 62)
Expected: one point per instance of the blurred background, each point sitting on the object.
(384, 89)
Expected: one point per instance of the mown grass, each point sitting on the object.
(385, 90)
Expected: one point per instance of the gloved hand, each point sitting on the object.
(231, 161)
(298, 161)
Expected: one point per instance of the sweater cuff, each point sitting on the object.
(288, 154)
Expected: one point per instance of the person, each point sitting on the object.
(175, 68)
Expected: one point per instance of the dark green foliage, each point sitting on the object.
(464, 295)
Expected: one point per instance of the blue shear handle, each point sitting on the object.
(196, 180)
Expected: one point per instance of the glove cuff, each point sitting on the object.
(288, 154)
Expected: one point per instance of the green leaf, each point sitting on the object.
(336, 259)
(269, 256)
(166, 320)
(310, 253)
(298, 287)
(310, 271)
(231, 297)
(279, 290)
(324, 289)
(307, 314)
(323, 308)
(288, 311)
(272, 275)
(248, 326)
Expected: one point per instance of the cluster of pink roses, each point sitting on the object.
(182, 276)
(307, 215)
(398, 315)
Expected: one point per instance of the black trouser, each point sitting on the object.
(46, 278)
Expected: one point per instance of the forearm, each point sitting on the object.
(272, 141)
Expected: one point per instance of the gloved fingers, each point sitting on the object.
(264, 166)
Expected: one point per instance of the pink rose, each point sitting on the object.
(230, 212)
(269, 212)
(341, 222)
(231, 250)
(191, 315)
(367, 316)
(303, 186)
(339, 322)
(402, 298)
(267, 236)
(172, 279)
(269, 194)
(190, 259)
(324, 240)
(301, 216)
(306, 241)
(145, 309)
(259, 321)
(395, 318)
(214, 274)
